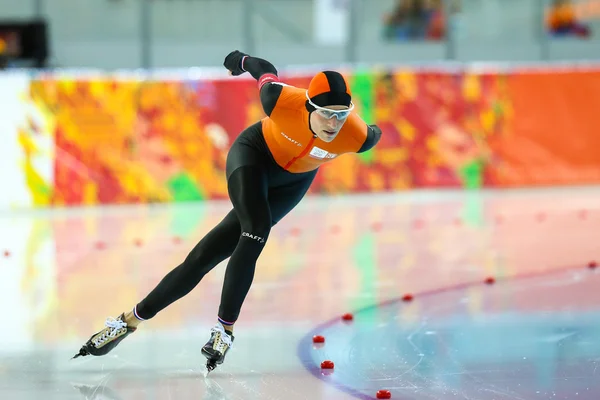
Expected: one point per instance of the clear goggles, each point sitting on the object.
(328, 113)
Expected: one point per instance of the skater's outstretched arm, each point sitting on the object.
(261, 70)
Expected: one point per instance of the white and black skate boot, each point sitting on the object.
(217, 347)
(107, 339)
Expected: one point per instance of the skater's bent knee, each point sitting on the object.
(257, 229)
(258, 235)
(204, 257)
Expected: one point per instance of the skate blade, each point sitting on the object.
(82, 353)
(210, 366)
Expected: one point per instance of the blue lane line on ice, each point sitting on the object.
(305, 349)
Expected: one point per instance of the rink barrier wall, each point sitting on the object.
(77, 138)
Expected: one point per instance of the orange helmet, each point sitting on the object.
(329, 88)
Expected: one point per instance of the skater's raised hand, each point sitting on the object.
(233, 62)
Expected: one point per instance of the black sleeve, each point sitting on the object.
(373, 136)
(269, 94)
(257, 67)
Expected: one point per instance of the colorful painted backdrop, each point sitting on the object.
(115, 140)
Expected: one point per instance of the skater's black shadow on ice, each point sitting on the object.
(96, 392)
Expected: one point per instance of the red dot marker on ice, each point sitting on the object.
(384, 394)
(490, 280)
(592, 265)
(376, 226)
(347, 317)
(407, 297)
(327, 364)
(540, 217)
(418, 224)
(138, 242)
(6, 253)
(318, 339)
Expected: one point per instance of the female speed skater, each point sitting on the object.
(269, 169)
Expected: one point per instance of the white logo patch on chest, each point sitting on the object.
(320, 153)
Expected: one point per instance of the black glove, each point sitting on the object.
(233, 62)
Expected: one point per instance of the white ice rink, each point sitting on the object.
(533, 334)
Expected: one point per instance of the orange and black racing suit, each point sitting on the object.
(270, 167)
